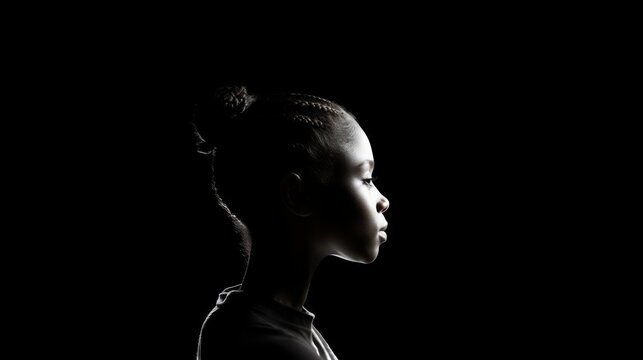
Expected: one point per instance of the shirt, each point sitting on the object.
(243, 326)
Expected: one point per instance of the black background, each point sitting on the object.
(463, 136)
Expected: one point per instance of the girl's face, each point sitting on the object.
(354, 208)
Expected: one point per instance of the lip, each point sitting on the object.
(383, 236)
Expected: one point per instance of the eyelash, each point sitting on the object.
(369, 181)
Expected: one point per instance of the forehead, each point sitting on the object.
(357, 152)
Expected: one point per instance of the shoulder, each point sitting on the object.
(242, 335)
(278, 348)
(265, 347)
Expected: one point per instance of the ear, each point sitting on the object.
(295, 195)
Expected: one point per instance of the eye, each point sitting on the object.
(369, 181)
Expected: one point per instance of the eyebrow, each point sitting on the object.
(369, 163)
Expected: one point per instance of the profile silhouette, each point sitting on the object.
(294, 174)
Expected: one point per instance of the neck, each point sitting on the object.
(283, 275)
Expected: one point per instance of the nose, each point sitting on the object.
(383, 204)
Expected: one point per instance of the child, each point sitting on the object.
(295, 174)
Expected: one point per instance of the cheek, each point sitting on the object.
(350, 214)
(353, 227)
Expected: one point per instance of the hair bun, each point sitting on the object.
(212, 125)
(233, 100)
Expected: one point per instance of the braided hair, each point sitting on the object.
(254, 140)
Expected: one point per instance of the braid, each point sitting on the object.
(306, 120)
(317, 105)
(315, 98)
